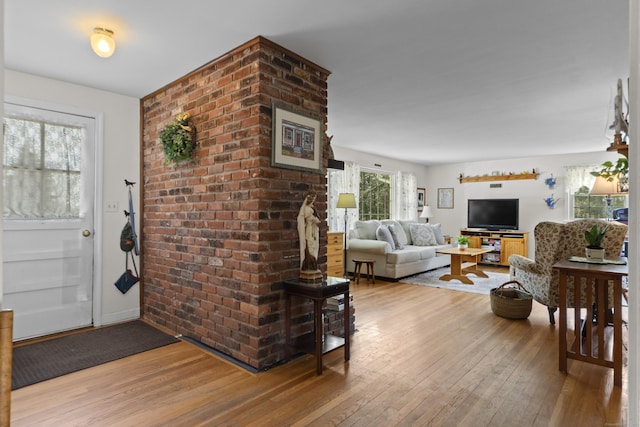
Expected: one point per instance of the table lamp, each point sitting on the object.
(426, 213)
(604, 187)
(346, 201)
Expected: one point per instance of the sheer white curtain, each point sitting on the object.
(42, 164)
(405, 191)
(577, 177)
(345, 181)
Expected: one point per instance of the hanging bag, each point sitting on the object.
(127, 279)
(127, 242)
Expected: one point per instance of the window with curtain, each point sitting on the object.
(579, 182)
(402, 203)
(41, 176)
(375, 195)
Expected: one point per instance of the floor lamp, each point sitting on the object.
(346, 201)
(604, 187)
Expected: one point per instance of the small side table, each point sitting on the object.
(358, 268)
(313, 343)
(600, 275)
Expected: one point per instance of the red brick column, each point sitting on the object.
(219, 235)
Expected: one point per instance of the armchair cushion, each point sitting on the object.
(523, 263)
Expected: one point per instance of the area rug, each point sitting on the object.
(480, 285)
(40, 361)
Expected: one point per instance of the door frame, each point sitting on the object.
(97, 190)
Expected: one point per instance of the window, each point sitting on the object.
(41, 169)
(586, 206)
(579, 184)
(375, 196)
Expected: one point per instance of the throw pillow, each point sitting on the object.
(367, 229)
(405, 226)
(397, 235)
(383, 234)
(398, 229)
(422, 235)
(437, 231)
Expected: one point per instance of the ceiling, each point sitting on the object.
(427, 81)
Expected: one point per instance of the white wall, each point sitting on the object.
(120, 160)
(531, 193)
(634, 219)
(1, 134)
(386, 164)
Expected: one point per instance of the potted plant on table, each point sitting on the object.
(593, 237)
(463, 242)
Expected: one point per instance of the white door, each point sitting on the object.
(48, 215)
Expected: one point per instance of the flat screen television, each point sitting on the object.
(492, 214)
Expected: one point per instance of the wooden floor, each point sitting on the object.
(421, 356)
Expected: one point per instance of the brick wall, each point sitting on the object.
(219, 235)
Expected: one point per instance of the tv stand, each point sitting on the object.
(502, 243)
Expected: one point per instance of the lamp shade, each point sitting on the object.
(102, 42)
(426, 212)
(346, 201)
(602, 187)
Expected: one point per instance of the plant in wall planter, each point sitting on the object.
(551, 202)
(178, 140)
(593, 237)
(550, 182)
(463, 242)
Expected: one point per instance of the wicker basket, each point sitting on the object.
(511, 302)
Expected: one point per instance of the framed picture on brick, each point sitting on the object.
(296, 141)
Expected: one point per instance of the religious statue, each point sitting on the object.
(309, 234)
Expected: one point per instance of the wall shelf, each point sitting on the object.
(511, 177)
(622, 148)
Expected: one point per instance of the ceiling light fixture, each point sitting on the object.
(102, 42)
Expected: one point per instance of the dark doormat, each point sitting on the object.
(40, 361)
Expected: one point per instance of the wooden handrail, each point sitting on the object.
(6, 359)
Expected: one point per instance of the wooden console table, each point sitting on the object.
(313, 343)
(583, 349)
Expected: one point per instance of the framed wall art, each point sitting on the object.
(445, 198)
(422, 198)
(296, 141)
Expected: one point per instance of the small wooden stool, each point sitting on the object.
(358, 267)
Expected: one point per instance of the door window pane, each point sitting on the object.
(41, 169)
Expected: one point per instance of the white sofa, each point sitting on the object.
(398, 255)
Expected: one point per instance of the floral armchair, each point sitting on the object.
(554, 242)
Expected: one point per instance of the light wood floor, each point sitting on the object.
(421, 356)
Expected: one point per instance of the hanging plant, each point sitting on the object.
(618, 170)
(178, 142)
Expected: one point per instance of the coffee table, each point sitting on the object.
(463, 261)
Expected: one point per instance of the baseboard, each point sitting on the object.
(118, 317)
